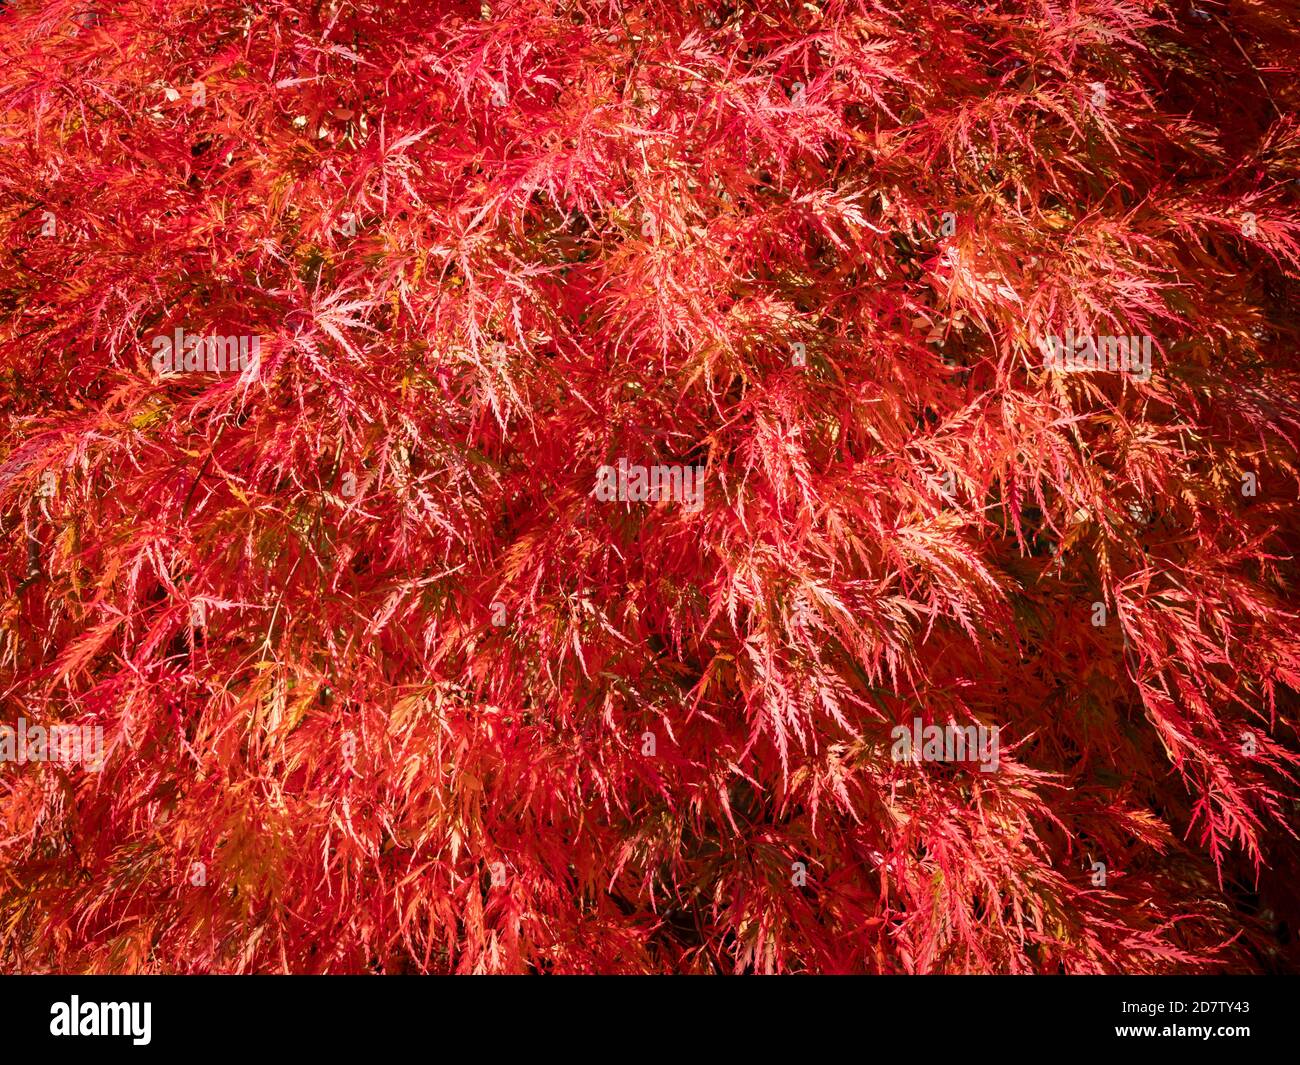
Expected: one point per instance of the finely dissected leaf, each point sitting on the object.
(385, 684)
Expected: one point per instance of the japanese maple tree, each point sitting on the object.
(388, 681)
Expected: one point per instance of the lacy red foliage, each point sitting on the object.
(388, 682)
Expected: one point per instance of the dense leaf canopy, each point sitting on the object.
(385, 684)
